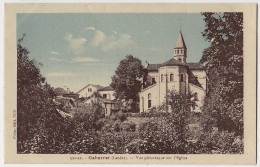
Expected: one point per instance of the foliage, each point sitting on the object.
(59, 91)
(121, 116)
(37, 118)
(181, 105)
(224, 67)
(127, 80)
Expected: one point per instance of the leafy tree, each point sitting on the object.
(37, 119)
(180, 105)
(127, 80)
(224, 67)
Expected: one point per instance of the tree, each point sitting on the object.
(37, 119)
(127, 80)
(181, 105)
(224, 67)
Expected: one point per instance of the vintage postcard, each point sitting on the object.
(130, 83)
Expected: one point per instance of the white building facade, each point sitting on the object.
(107, 93)
(173, 75)
(88, 90)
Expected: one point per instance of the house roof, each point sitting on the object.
(195, 66)
(193, 80)
(96, 86)
(180, 42)
(108, 88)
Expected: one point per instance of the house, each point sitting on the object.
(88, 90)
(173, 75)
(107, 93)
(108, 105)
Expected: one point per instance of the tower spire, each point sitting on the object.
(180, 49)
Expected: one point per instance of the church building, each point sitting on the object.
(175, 74)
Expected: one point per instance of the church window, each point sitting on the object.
(105, 96)
(177, 51)
(182, 79)
(171, 77)
(179, 59)
(89, 89)
(153, 81)
(162, 78)
(149, 101)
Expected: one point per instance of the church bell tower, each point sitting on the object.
(180, 50)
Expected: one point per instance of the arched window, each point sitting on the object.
(162, 78)
(171, 77)
(153, 81)
(149, 101)
(177, 51)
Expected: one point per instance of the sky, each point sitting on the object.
(86, 48)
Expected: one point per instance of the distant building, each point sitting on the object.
(108, 105)
(107, 92)
(175, 74)
(88, 90)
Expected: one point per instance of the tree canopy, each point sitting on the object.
(36, 114)
(224, 67)
(127, 80)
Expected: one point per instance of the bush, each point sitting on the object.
(113, 117)
(129, 126)
(121, 116)
(151, 126)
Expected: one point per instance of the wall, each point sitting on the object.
(108, 108)
(184, 86)
(171, 85)
(110, 94)
(152, 74)
(143, 95)
(85, 93)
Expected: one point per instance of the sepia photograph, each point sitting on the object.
(130, 83)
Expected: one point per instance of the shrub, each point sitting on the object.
(121, 116)
(113, 117)
(116, 127)
(151, 126)
(127, 126)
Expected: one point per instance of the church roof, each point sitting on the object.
(173, 62)
(195, 66)
(153, 67)
(180, 42)
(193, 80)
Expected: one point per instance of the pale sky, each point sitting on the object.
(79, 49)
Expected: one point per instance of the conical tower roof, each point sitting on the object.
(180, 42)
